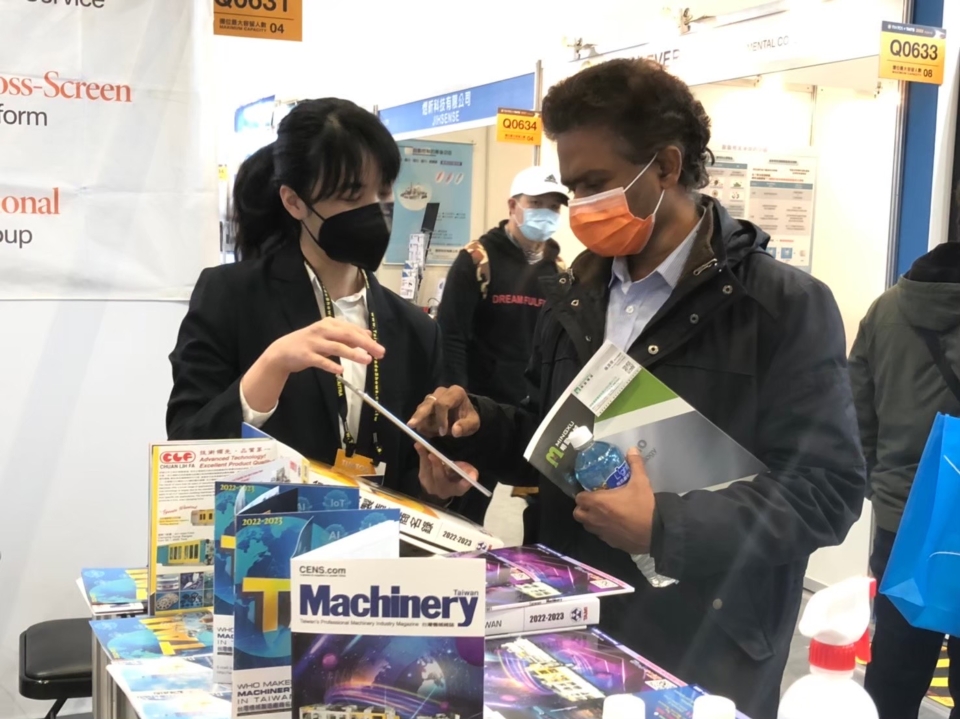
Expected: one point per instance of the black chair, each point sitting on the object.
(56, 662)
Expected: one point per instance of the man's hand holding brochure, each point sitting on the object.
(628, 407)
(670, 447)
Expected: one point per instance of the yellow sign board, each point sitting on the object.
(263, 19)
(222, 173)
(915, 53)
(522, 127)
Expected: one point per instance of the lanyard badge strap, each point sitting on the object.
(349, 442)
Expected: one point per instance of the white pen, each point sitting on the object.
(402, 426)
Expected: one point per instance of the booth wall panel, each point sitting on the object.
(741, 115)
(945, 212)
(919, 162)
(852, 134)
(84, 392)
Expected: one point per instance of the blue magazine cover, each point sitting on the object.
(181, 635)
(233, 497)
(388, 638)
(166, 674)
(113, 586)
(265, 544)
(180, 705)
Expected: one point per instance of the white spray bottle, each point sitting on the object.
(837, 620)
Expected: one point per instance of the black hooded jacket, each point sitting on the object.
(897, 386)
(758, 347)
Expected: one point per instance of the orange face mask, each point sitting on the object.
(605, 225)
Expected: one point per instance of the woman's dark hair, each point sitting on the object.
(319, 153)
(642, 104)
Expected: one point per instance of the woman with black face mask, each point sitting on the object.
(268, 339)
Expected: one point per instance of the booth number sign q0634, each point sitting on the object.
(915, 53)
(264, 19)
(519, 126)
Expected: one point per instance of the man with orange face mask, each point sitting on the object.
(755, 345)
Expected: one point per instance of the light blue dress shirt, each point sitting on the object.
(633, 304)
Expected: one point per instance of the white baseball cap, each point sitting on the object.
(537, 181)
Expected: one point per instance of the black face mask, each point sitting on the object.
(356, 237)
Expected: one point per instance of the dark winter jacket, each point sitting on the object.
(897, 387)
(758, 347)
(487, 326)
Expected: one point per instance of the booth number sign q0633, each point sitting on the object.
(915, 53)
(263, 19)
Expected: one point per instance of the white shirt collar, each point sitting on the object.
(669, 270)
(348, 300)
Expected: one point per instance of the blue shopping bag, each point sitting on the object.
(923, 575)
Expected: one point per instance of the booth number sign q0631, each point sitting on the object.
(264, 19)
(915, 53)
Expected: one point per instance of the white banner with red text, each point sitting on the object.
(108, 184)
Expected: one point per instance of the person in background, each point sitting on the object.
(491, 302)
(755, 345)
(266, 340)
(899, 389)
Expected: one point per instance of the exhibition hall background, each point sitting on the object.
(84, 384)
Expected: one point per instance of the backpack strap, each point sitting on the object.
(481, 261)
(932, 340)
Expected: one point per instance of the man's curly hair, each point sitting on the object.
(640, 102)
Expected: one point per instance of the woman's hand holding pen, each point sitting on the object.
(312, 346)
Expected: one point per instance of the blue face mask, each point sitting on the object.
(539, 224)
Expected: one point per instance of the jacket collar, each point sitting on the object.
(580, 296)
(286, 266)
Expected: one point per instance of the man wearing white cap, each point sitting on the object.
(492, 298)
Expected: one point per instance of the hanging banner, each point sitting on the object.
(108, 179)
(432, 199)
(915, 53)
(264, 19)
(775, 191)
(809, 33)
(469, 107)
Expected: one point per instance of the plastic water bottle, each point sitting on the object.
(837, 620)
(600, 465)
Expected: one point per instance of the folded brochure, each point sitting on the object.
(625, 405)
(182, 635)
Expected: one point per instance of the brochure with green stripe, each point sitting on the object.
(627, 406)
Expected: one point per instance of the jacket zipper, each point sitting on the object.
(704, 267)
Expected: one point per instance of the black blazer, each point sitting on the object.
(238, 310)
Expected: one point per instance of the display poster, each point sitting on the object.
(108, 178)
(432, 197)
(263, 19)
(775, 192)
(182, 507)
(915, 53)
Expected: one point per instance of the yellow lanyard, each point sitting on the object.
(349, 443)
